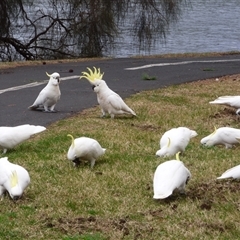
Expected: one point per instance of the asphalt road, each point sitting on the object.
(78, 95)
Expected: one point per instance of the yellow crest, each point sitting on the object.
(169, 142)
(92, 75)
(215, 129)
(14, 179)
(69, 135)
(177, 156)
(48, 74)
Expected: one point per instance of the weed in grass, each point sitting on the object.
(145, 76)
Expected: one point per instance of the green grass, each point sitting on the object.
(115, 199)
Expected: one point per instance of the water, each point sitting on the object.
(206, 26)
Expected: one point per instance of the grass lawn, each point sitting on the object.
(114, 200)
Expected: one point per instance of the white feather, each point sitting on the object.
(85, 148)
(226, 136)
(49, 95)
(12, 136)
(170, 176)
(175, 140)
(232, 101)
(21, 175)
(231, 173)
(109, 101)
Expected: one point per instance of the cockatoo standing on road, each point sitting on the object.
(12, 136)
(13, 178)
(231, 173)
(232, 101)
(175, 140)
(222, 136)
(170, 176)
(49, 95)
(84, 148)
(109, 101)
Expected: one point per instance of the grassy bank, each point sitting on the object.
(114, 200)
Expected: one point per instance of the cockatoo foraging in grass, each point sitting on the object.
(175, 140)
(231, 173)
(49, 95)
(84, 148)
(13, 178)
(226, 136)
(232, 101)
(109, 101)
(12, 136)
(170, 176)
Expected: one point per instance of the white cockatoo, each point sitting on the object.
(12, 136)
(175, 140)
(226, 136)
(49, 95)
(84, 148)
(170, 176)
(109, 101)
(232, 101)
(13, 178)
(231, 173)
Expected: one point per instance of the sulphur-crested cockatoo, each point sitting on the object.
(170, 176)
(13, 178)
(84, 148)
(232, 101)
(226, 136)
(175, 140)
(109, 101)
(49, 95)
(12, 136)
(231, 173)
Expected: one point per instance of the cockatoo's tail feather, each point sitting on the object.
(92, 75)
(71, 136)
(14, 179)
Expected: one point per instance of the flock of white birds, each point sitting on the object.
(170, 176)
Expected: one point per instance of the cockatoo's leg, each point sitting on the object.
(92, 162)
(103, 113)
(112, 115)
(52, 108)
(4, 150)
(228, 145)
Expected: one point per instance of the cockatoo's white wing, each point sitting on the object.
(231, 173)
(233, 101)
(12, 136)
(169, 176)
(118, 106)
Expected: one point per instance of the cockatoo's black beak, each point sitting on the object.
(15, 198)
(93, 86)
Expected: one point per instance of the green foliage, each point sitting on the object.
(114, 199)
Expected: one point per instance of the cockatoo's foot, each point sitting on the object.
(49, 111)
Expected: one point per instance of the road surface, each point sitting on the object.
(20, 86)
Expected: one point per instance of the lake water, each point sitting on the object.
(206, 26)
